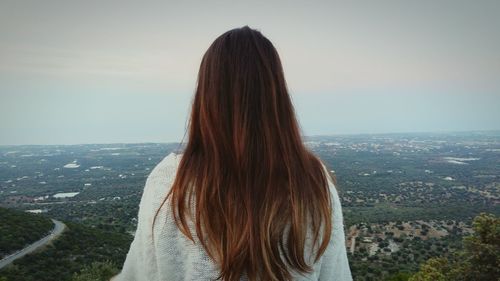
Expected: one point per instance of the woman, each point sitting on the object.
(246, 200)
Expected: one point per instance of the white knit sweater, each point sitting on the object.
(173, 257)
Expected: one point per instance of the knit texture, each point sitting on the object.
(173, 257)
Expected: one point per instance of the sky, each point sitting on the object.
(75, 72)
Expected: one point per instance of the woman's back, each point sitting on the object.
(172, 256)
(247, 199)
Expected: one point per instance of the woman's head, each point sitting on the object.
(245, 178)
(241, 104)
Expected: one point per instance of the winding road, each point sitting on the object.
(58, 229)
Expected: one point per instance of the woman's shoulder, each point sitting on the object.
(333, 189)
(337, 215)
(169, 161)
(159, 182)
(164, 171)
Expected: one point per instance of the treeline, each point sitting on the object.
(19, 229)
(473, 257)
(477, 260)
(73, 253)
(386, 212)
(116, 216)
(411, 253)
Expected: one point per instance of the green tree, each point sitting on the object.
(479, 260)
(482, 249)
(400, 276)
(97, 271)
(434, 269)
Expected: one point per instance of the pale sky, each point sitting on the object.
(118, 71)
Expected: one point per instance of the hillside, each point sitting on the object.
(77, 249)
(19, 229)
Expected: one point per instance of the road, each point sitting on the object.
(58, 229)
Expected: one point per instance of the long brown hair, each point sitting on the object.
(245, 166)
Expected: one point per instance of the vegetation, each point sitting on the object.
(19, 229)
(479, 259)
(385, 250)
(97, 271)
(385, 182)
(74, 251)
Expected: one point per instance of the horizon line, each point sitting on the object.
(303, 136)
